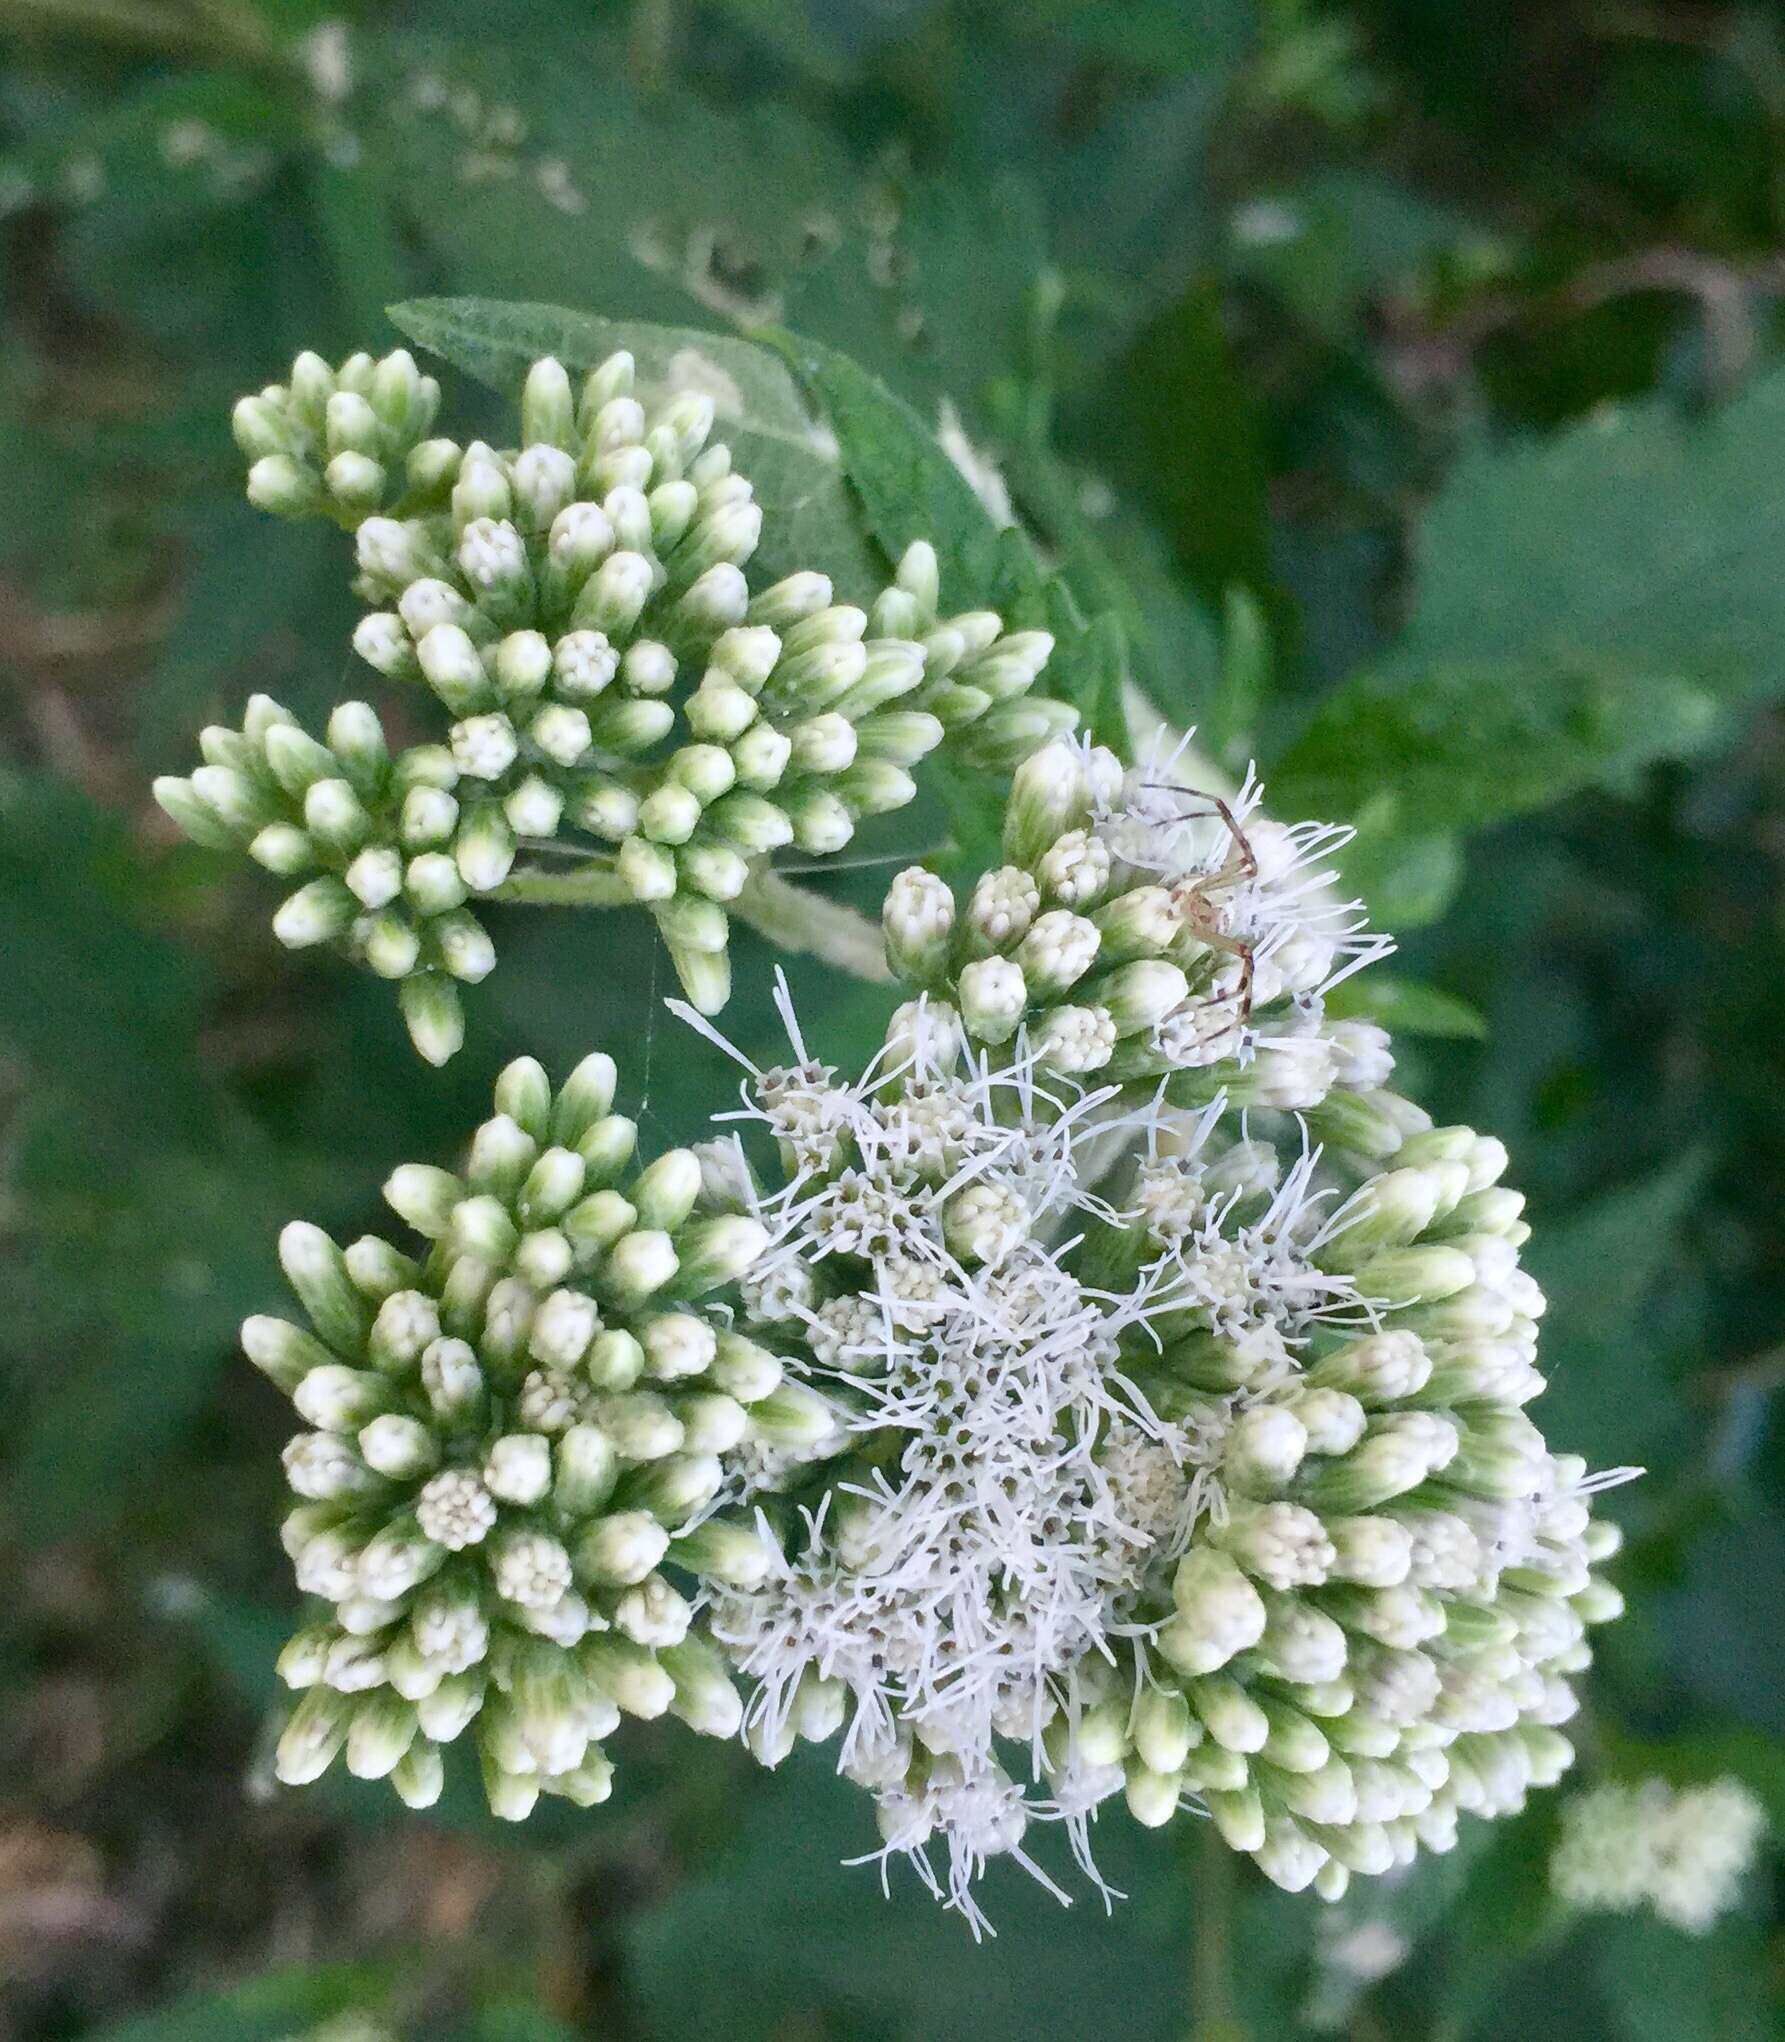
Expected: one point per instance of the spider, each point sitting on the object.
(1194, 898)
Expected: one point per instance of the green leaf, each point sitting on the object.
(809, 519)
(1612, 1333)
(1404, 1006)
(819, 1950)
(1584, 605)
(1666, 1986)
(263, 2010)
(91, 995)
(1407, 878)
(910, 489)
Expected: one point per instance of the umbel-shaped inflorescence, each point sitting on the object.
(1177, 1458)
(578, 613)
(518, 1441)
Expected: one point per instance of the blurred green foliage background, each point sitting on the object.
(1407, 379)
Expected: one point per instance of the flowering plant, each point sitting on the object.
(1114, 1388)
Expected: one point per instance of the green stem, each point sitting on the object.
(789, 916)
(593, 884)
(1216, 2018)
(793, 919)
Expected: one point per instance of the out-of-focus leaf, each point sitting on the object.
(292, 641)
(1404, 1006)
(1583, 605)
(1699, 1756)
(1614, 1393)
(818, 1942)
(91, 995)
(1180, 386)
(263, 2010)
(910, 489)
(1666, 1986)
(1407, 877)
(1507, 1916)
(1721, 1623)
(512, 2020)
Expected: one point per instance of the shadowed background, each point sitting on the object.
(1406, 380)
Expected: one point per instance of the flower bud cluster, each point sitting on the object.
(1140, 930)
(387, 851)
(1232, 1502)
(515, 1446)
(1373, 1624)
(579, 610)
(345, 442)
(1684, 1852)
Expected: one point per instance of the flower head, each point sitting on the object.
(1169, 1460)
(1684, 1851)
(1142, 929)
(508, 1441)
(604, 669)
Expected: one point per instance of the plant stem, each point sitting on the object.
(1215, 2017)
(794, 919)
(788, 915)
(592, 884)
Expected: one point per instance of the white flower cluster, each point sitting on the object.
(1682, 1851)
(1141, 929)
(508, 1440)
(1200, 1473)
(580, 609)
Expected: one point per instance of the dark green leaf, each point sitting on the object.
(1583, 605)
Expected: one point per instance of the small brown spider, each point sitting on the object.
(1195, 899)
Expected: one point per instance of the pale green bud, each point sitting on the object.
(616, 1551)
(875, 787)
(749, 823)
(432, 883)
(714, 871)
(1219, 1613)
(993, 998)
(1138, 996)
(197, 819)
(534, 808)
(312, 1737)
(630, 727)
(717, 1251)
(793, 1416)
(435, 1019)
(761, 757)
(284, 849)
(822, 825)
(548, 409)
(1163, 1729)
(484, 747)
(430, 816)
(743, 1369)
(898, 739)
(665, 1193)
(1057, 951)
(355, 481)
(284, 1353)
(918, 922)
(734, 1555)
(637, 1265)
(283, 486)
(296, 760)
(1153, 1797)
(669, 815)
